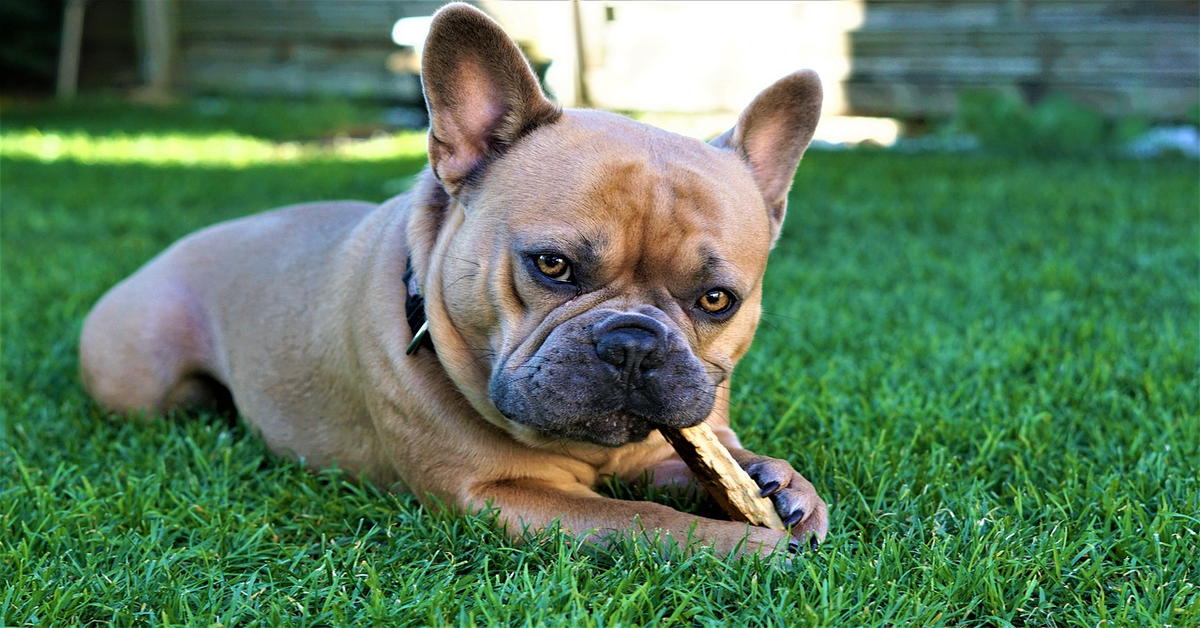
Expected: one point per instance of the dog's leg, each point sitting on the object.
(672, 475)
(534, 505)
(146, 347)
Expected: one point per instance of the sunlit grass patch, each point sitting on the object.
(214, 149)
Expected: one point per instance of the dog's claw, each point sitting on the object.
(770, 488)
(796, 546)
(794, 518)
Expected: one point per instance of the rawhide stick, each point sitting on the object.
(721, 475)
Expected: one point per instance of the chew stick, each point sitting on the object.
(721, 475)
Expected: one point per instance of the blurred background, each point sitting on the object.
(893, 69)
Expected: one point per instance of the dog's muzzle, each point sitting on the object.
(606, 377)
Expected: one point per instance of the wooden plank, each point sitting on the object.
(990, 68)
(246, 52)
(900, 100)
(925, 100)
(1072, 12)
(367, 55)
(1137, 39)
(292, 79)
(921, 14)
(70, 47)
(309, 20)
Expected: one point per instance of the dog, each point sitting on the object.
(557, 286)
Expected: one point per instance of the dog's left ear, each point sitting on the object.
(481, 93)
(772, 134)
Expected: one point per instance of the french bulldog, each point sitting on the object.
(584, 280)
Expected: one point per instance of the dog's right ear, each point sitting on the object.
(481, 94)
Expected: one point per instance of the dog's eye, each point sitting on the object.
(716, 301)
(553, 266)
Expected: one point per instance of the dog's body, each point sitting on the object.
(586, 279)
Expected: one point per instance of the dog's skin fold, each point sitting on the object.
(586, 279)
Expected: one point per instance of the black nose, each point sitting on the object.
(633, 350)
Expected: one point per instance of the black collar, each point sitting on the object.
(414, 311)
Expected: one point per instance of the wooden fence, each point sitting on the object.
(294, 47)
(911, 58)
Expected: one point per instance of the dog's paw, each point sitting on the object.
(797, 502)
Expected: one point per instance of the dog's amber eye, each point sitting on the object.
(716, 301)
(554, 267)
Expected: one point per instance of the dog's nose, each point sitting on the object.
(633, 343)
(633, 350)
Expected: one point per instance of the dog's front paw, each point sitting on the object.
(794, 497)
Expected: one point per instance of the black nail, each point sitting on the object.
(813, 543)
(794, 518)
(769, 488)
(794, 546)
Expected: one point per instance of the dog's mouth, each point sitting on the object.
(574, 404)
(610, 429)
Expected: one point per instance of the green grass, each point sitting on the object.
(988, 366)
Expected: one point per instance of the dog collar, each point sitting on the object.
(414, 311)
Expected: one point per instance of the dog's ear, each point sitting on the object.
(771, 135)
(480, 91)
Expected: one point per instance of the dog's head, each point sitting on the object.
(592, 278)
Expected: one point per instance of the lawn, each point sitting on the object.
(988, 366)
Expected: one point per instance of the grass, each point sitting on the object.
(988, 366)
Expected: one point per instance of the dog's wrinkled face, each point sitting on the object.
(600, 277)
(620, 294)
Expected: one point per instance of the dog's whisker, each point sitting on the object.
(461, 259)
(462, 277)
(783, 316)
